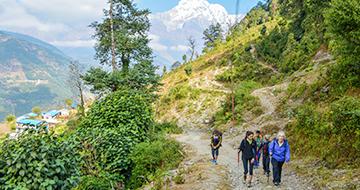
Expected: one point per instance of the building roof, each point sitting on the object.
(53, 113)
(30, 122)
(22, 118)
(74, 105)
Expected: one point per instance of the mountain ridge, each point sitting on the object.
(33, 73)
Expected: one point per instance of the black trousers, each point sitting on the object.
(266, 163)
(277, 167)
(248, 166)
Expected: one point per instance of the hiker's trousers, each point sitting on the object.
(277, 167)
(248, 166)
(266, 163)
(215, 152)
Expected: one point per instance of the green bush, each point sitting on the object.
(94, 183)
(246, 68)
(111, 129)
(125, 110)
(149, 157)
(243, 102)
(343, 29)
(10, 118)
(188, 69)
(180, 92)
(332, 133)
(345, 116)
(167, 127)
(106, 151)
(39, 161)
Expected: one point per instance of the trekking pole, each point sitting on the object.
(238, 159)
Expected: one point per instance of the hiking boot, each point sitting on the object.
(249, 183)
(276, 184)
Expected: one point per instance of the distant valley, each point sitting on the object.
(32, 73)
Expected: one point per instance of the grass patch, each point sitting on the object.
(244, 101)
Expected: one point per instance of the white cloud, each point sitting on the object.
(180, 48)
(62, 22)
(13, 16)
(75, 43)
(69, 11)
(154, 37)
(158, 46)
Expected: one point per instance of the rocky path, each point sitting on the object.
(199, 141)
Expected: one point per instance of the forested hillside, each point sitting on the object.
(309, 48)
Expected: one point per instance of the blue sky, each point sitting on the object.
(164, 5)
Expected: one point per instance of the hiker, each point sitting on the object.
(216, 140)
(258, 141)
(248, 148)
(279, 151)
(266, 155)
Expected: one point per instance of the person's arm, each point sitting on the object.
(271, 148)
(261, 145)
(219, 143)
(211, 142)
(287, 155)
(241, 147)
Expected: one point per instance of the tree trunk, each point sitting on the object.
(113, 61)
(125, 63)
(82, 102)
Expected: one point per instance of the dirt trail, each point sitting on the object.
(199, 141)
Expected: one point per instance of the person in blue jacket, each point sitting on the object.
(279, 150)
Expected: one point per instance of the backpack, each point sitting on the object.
(266, 148)
(217, 134)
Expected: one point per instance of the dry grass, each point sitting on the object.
(4, 129)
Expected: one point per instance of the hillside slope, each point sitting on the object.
(286, 77)
(32, 73)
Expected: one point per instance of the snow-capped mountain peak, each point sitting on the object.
(171, 30)
(200, 10)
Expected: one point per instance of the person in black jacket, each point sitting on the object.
(216, 140)
(248, 149)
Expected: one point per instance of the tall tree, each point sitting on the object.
(192, 47)
(68, 102)
(175, 65)
(184, 58)
(212, 34)
(164, 71)
(343, 26)
(113, 61)
(129, 26)
(133, 55)
(36, 110)
(77, 84)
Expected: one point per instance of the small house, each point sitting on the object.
(64, 113)
(74, 105)
(22, 118)
(53, 114)
(29, 124)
